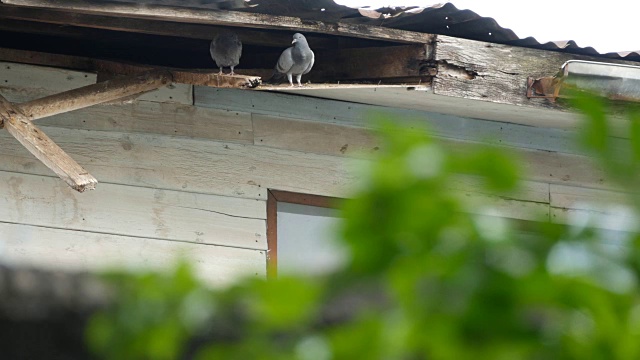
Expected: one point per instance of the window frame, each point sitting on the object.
(273, 198)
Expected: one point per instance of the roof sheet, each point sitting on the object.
(444, 19)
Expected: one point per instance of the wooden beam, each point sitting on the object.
(94, 94)
(497, 73)
(48, 21)
(182, 76)
(47, 59)
(229, 18)
(39, 144)
(272, 236)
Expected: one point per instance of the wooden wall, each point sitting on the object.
(184, 172)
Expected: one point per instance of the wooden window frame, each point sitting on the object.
(273, 198)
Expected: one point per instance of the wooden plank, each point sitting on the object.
(161, 118)
(192, 165)
(494, 72)
(572, 197)
(172, 93)
(304, 199)
(322, 138)
(418, 95)
(185, 76)
(339, 140)
(44, 149)
(22, 82)
(134, 211)
(27, 82)
(60, 250)
(46, 59)
(529, 191)
(487, 205)
(90, 95)
(49, 19)
(618, 219)
(229, 18)
(272, 236)
(558, 168)
(213, 79)
(315, 137)
(364, 116)
(73, 24)
(603, 209)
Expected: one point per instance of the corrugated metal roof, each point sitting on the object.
(444, 19)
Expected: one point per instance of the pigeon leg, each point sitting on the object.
(298, 78)
(220, 73)
(290, 78)
(232, 73)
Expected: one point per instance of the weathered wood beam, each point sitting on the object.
(47, 59)
(39, 144)
(183, 76)
(94, 94)
(229, 18)
(497, 73)
(193, 77)
(46, 21)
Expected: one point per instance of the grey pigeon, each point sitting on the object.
(296, 60)
(226, 50)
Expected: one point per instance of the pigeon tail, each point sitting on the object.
(276, 78)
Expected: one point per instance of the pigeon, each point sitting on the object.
(226, 50)
(296, 60)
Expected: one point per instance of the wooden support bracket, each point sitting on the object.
(17, 119)
(39, 144)
(95, 94)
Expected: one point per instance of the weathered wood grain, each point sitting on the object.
(160, 118)
(49, 19)
(529, 191)
(155, 112)
(314, 137)
(340, 140)
(488, 205)
(201, 77)
(201, 166)
(134, 211)
(172, 93)
(603, 209)
(230, 18)
(365, 116)
(60, 249)
(617, 219)
(30, 82)
(494, 72)
(44, 149)
(572, 197)
(94, 94)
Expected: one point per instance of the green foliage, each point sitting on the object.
(153, 316)
(427, 278)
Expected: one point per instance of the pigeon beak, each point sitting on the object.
(294, 41)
